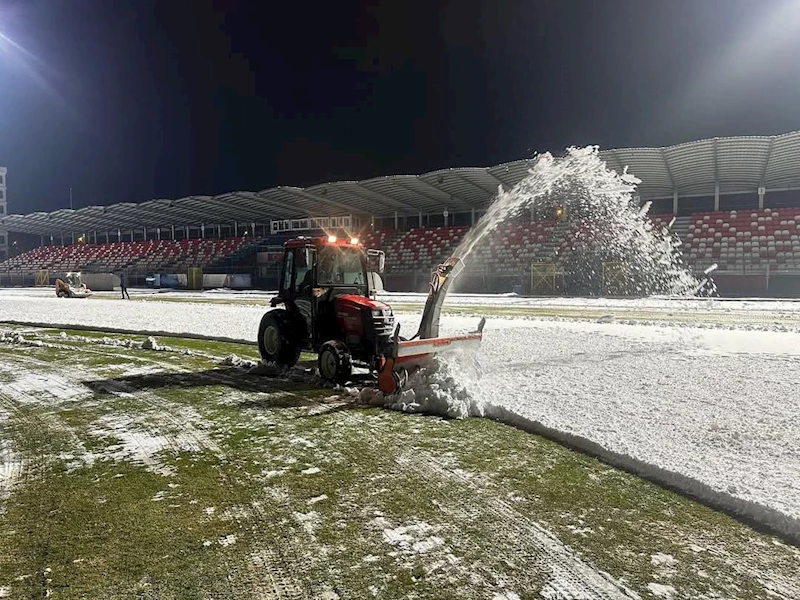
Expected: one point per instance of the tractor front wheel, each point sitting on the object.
(334, 362)
(274, 344)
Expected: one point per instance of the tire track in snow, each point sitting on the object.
(33, 389)
(273, 569)
(521, 541)
(535, 544)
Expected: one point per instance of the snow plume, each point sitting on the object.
(602, 222)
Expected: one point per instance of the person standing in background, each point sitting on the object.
(123, 284)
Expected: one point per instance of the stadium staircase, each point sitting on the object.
(681, 227)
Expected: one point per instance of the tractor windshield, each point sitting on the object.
(340, 265)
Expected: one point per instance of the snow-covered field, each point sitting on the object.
(698, 305)
(716, 405)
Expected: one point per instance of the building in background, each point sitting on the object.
(3, 212)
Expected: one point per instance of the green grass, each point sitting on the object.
(86, 521)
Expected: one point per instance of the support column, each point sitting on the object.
(473, 215)
(235, 229)
(203, 230)
(186, 230)
(675, 202)
(144, 233)
(219, 231)
(62, 239)
(253, 230)
(172, 228)
(42, 237)
(396, 221)
(133, 235)
(119, 235)
(158, 233)
(420, 219)
(761, 193)
(716, 196)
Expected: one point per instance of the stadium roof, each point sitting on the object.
(737, 164)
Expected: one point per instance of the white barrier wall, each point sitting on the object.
(100, 282)
(233, 281)
(213, 280)
(239, 281)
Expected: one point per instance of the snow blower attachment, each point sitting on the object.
(328, 289)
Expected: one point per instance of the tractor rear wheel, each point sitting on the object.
(274, 342)
(334, 362)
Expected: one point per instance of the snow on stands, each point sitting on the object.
(718, 406)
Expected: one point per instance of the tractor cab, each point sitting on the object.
(325, 266)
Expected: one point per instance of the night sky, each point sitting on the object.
(130, 100)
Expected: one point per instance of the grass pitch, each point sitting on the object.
(134, 473)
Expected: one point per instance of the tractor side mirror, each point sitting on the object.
(376, 261)
(375, 282)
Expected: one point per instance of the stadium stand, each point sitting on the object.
(745, 239)
(422, 248)
(163, 255)
(380, 239)
(514, 244)
(735, 240)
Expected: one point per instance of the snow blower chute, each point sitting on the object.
(328, 288)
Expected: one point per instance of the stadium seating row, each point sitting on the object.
(149, 256)
(736, 240)
(746, 239)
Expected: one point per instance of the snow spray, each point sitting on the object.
(605, 223)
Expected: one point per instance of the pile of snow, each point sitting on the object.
(234, 360)
(12, 337)
(151, 344)
(10, 468)
(439, 389)
(16, 337)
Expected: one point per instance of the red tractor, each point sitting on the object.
(327, 291)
